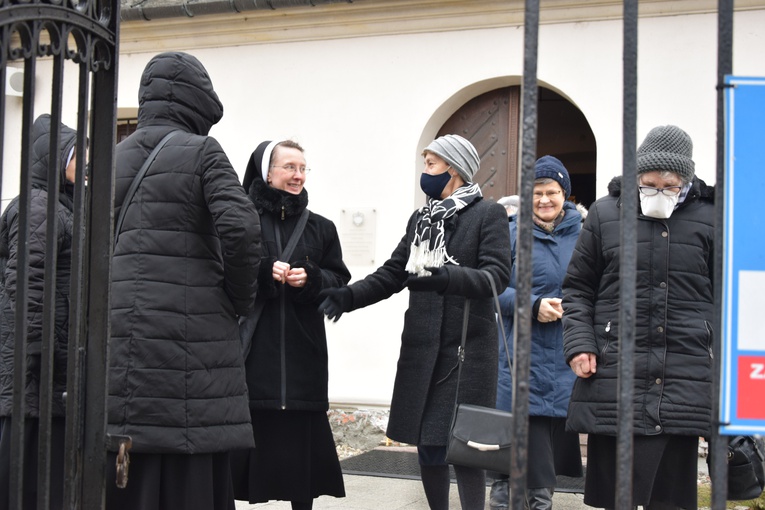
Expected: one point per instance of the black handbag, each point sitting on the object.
(480, 437)
(746, 468)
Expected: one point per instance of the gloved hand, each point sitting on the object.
(436, 282)
(337, 300)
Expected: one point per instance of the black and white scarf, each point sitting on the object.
(429, 246)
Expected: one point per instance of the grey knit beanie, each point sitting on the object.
(458, 153)
(667, 148)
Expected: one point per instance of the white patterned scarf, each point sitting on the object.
(429, 246)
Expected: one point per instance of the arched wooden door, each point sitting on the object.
(491, 122)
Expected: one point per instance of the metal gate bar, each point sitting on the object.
(628, 217)
(718, 444)
(523, 306)
(22, 290)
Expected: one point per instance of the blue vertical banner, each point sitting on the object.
(742, 399)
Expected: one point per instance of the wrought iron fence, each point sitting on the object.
(85, 34)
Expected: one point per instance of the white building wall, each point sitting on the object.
(364, 108)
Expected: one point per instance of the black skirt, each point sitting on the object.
(665, 470)
(294, 459)
(552, 452)
(160, 481)
(31, 426)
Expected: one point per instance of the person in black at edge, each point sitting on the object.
(37, 242)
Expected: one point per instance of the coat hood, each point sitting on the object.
(176, 89)
(41, 131)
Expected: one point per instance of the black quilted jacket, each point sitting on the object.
(675, 308)
(185, 266)
(9, 231)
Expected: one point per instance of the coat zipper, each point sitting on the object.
(282, 334)
(283, 349)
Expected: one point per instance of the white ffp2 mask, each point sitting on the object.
(658, 206)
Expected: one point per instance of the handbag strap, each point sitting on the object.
(465, 317)
(137, 181)
(501, 324)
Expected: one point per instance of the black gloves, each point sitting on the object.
(336, 302)
(436, 282)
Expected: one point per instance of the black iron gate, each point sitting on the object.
(86, 33)
(83, 36)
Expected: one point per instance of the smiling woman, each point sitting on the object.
(287, 367)
(557, 223)
(287, 171)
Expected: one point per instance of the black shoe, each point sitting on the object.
(499, 495)
(539, 499)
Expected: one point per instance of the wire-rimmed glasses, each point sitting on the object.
(293, 169)
(669, 191)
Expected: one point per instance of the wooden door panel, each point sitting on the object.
(490, 122)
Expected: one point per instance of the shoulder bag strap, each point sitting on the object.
(286, 253)
(137, 181)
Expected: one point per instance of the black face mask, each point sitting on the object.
(433, 185)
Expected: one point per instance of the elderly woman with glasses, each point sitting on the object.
(294, 458)
(553, 451)
(672, 404)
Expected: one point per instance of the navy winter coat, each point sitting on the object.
(185, 266)
(551, 379)
(675, 309)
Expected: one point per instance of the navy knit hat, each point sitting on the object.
(550, 166)
(458, 152)
(667, 148)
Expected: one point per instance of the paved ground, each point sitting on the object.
(378, 493)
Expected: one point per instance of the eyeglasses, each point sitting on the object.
(293, 169)
(549, 194)
(669, 191)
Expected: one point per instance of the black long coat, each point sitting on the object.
(185, 266)
(426, 378)
(9, 230)
(675, 309)
(287, 367)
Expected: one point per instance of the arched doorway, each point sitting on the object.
(491, 121)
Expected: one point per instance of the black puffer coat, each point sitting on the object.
(9, 231)
(675, 308)
(287, 367)
(184, 267)
(426, 378)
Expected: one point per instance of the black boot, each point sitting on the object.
(499, 496)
